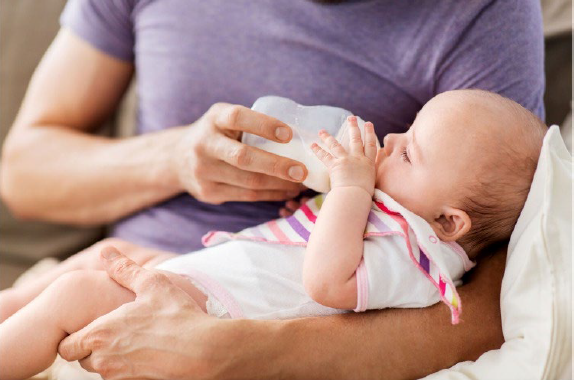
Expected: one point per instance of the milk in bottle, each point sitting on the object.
(306, 122)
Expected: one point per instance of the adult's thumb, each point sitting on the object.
(128, 274)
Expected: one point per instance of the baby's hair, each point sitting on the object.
(498, 195)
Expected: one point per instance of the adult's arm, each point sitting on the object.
(137, 340)
(54, 169)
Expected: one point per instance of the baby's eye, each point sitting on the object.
(405, 156)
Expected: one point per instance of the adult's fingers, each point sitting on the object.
(76, 346)
(130, 275)
(96, 335)
(355, 140)
(284, 212)
(79, 345)
(370, 141)
(292, 205)
(228, 193)
(240, 118)
(252, 159)
(86, 364)
(232, 175)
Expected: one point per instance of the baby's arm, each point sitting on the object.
(335, 247)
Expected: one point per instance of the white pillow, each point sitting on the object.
(536, 298)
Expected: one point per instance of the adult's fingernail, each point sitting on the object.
(282, 133)
(296, 172)
(109, 253)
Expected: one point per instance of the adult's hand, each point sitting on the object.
(143, 339)
(291, 206)
(215, 167)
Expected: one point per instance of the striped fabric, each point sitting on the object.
(385, 218)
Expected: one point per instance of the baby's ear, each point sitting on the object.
(452, 224)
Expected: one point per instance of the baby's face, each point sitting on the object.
(425, 168)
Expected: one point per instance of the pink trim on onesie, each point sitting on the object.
(362, 287)
(468, 264)
(456, 311)
(217, 290)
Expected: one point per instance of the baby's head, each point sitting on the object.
(465, 165)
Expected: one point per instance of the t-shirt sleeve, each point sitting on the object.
(105, 24)
(501, 49)
(387, 276)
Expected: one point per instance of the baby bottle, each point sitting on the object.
(306, 122)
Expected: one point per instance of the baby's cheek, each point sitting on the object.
(387, 181)
(380, 178)
(400, 187)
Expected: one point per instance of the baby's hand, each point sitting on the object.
(354, 168)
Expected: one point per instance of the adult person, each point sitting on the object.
(382, 60)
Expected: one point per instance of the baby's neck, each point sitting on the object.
(472, 249)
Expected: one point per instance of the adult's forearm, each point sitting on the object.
(387, 344)
(61, 175)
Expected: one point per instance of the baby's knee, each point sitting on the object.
(89, 258)
(79, 284)
(72, 288)
(83, 295)
(76, 281)
(115, 242)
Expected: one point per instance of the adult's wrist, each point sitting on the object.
(280, 349)
(173, 149)
(239, 349)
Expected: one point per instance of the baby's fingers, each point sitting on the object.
(335, 148)
(370, 141)
(322, 154)
(355, 140)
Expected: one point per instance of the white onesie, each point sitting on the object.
(257, 273)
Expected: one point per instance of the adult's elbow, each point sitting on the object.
(11, 191)
(11, 197)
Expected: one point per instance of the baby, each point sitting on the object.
(399, 228)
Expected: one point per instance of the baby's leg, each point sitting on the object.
(29, 339)
(13, 299)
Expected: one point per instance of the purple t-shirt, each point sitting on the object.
(382, 60)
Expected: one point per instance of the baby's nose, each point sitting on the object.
(387, 143)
